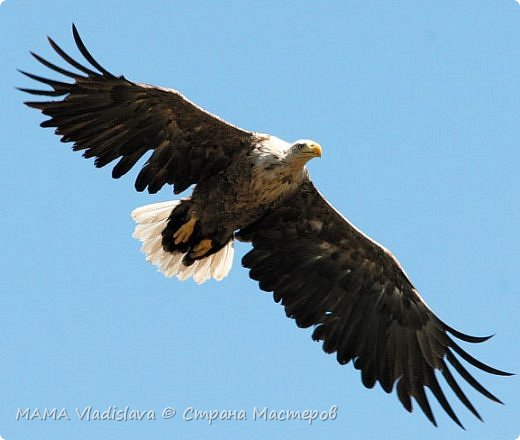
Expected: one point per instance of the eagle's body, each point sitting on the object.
(194, 237)
(255, 188)
(258, 180)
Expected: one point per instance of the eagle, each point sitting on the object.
(255, 188)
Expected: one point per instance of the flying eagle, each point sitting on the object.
(255, 188)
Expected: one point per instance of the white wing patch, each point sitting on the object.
(151, 221)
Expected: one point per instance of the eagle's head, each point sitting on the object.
(305, 150)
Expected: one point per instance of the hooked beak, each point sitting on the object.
(315, 150)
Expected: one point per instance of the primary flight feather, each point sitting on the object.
(255, 187)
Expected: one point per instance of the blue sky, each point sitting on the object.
(417, 108)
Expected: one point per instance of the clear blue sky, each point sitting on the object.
(417, 107)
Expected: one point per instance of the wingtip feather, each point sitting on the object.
(464, 336)
(88, 56)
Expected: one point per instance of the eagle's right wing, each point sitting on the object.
(329, 275)
(112, 118)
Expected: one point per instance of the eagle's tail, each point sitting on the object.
(151, 221)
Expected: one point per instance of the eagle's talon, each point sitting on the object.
(201, 248)
(183, 234)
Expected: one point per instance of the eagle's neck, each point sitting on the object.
(276, 174)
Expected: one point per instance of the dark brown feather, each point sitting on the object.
(112, 118)
(328, 274)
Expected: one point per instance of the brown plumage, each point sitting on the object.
(328, 274)
(255, 188)
(109, 118)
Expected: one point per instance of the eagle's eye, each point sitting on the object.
(301, 147)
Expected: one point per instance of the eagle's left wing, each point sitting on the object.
(328, 274)
(109, 117)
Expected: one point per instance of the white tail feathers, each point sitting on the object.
(151, 221)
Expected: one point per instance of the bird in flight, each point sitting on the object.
(255, 188)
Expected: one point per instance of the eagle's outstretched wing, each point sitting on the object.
(329, 275)
(112, 118)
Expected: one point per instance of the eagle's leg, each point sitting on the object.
(201, 248)
(183, 234)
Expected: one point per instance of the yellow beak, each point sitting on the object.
(316, 149)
